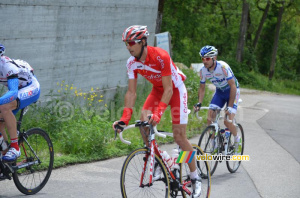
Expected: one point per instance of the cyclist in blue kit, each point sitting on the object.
(23, 90)
(227, 88)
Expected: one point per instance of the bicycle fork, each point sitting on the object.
(146, 158)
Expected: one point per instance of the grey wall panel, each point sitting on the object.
(78, 41)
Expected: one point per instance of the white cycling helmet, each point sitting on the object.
(208, 51)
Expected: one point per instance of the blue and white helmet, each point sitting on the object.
(208, 51)
(2, 49)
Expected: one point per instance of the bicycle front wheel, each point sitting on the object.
(135, 177)
(233, 166)
(34, 167)
(205, 144)
(203, 171)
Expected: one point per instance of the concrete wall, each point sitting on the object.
(78, 41)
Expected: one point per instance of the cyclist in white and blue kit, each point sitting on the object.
(23, 89)
(227, 88)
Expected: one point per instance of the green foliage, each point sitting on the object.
(194, 23)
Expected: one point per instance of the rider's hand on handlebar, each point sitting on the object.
(197, 106)
(118, 126)
(153, 119)
(228, 110)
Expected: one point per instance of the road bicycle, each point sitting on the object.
(138, 169)
(213, 133)
(31, 171)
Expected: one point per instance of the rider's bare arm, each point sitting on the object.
(201, 92)
(168, 89)
(232, 85)
(130, 95)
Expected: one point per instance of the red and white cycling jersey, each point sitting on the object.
(158, 63)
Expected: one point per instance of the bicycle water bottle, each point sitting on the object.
(174, 159)
(167, 158)
(175, 168)
(3, 143)
(227, 135)
(222, 132)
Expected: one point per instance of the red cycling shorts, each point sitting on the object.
(178, 103)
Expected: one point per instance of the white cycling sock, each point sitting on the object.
(236, 138)
(194, 175)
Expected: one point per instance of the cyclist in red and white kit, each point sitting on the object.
(157, 67)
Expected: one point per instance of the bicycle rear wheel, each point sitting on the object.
(233, 166)
(205, 144)
(34, 167)
(132, 170)
(203, 170)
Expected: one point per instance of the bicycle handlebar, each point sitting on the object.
(200, 118)
(138, 124)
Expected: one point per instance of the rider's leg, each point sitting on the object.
(145, 131)
(230, 125)
(2, 129)
(149, 106)
(211, 116)
(10, 122)
(179, 134)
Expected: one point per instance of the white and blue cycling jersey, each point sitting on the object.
(22, 85)
(219, 77)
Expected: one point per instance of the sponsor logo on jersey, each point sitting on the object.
(174, 74)
(161, 62)
(130, 64)
(218, 74)
(224, 71)
(29, 94)
(154, 77)
(185, 103)
(218, 80)
(9, 73)
(140, 66)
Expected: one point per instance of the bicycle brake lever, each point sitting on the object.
(116, 133)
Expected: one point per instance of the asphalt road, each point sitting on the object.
(271, 123)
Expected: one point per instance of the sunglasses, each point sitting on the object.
(206, 58)
(131, 43)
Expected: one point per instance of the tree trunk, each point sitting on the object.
(243, 30)
(261, 24)
(275, 45)
(159, 16)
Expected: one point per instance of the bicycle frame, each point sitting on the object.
(154, 149)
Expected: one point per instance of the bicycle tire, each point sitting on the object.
(203, 170)
(204, 144)
(233, 166)
(131, 176)
(31, 179)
